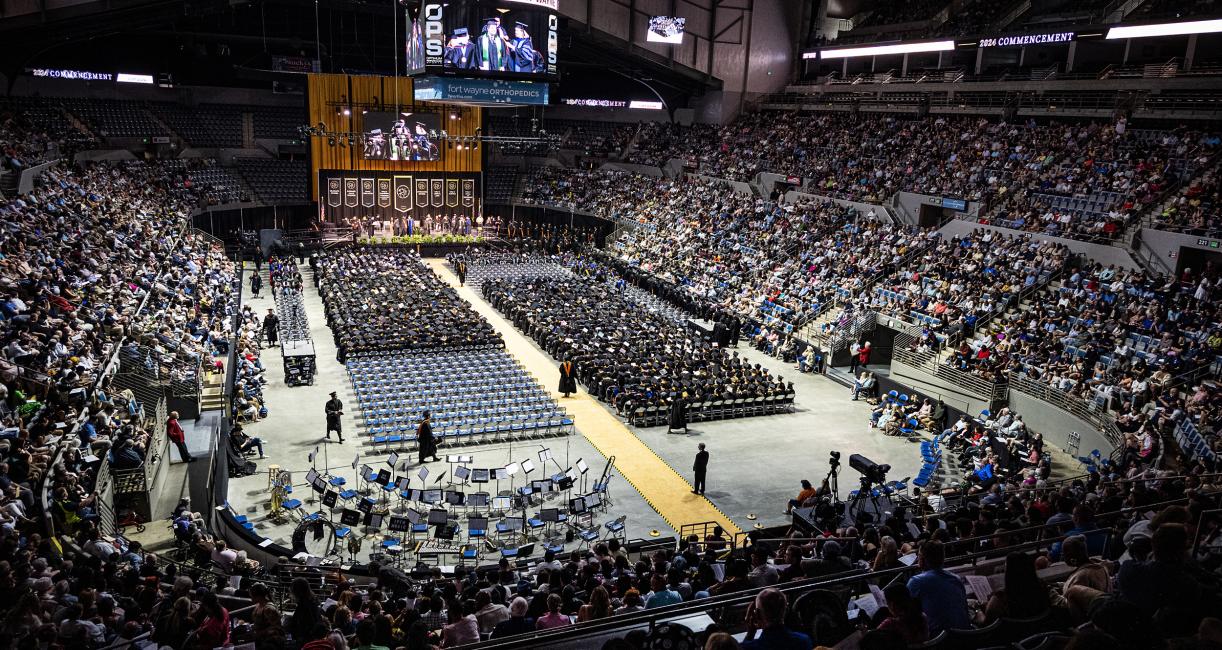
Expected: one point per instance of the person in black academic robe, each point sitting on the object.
(522, 56)
(460, 51)
(462, 273)
(425, 440)
(678, 414)
(568, 378)
(492, 47)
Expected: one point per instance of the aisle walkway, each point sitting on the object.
(668, 492)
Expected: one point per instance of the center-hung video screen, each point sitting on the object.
(400, 136)
(509, 39)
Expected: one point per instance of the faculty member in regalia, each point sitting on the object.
(427, 444)
(568, 378)
(523, 57)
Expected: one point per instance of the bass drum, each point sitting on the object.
(316, 537)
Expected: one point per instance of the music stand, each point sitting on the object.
(582, 468)
(479, 476)
(462, 473)
(528, 466)
(392, 460)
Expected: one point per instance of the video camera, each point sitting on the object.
(869, 469)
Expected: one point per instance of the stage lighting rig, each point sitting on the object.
(471, 142)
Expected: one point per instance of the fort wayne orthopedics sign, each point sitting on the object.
(1027, 39)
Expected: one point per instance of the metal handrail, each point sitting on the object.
(1100, 419)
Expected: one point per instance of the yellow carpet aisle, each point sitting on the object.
(661, 486)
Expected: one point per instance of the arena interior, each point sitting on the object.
(624, 324)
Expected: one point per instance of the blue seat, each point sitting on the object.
(338, 481)
(341, 533)
(291, 504)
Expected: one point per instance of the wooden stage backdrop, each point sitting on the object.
(331, 94)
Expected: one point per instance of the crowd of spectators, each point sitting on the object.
(1117, 338)
(95, 255)
(1017, 170)
(957, 281)
(1195, 208)
(1113, 552)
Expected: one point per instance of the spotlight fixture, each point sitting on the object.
(331, 141)
(453, 116)
(347, 112)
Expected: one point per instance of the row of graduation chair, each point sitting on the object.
(404, 438)
(721, 409)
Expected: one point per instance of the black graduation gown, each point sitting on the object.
(428, 444)
(497, 57)
(522, 58)
(678, 414)
(568, 379)
(460, 56)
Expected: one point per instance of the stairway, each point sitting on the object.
(8, 184)
(212, 397)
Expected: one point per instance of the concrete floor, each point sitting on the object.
(295, 427)
(756, 463)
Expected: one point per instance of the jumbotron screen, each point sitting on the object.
(509, 39)
(400, 136)
(666, 29)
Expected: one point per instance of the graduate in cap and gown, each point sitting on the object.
(678, 412)
(492, 47)
(460, 51)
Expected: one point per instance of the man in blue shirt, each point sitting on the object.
(942, 594)
(767, 615)
(661, 595)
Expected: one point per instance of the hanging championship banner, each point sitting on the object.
(334, 192)
(367, 194)
(403, 193)
(449, 200)
(422, 192)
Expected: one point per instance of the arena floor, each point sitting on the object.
(755, 467)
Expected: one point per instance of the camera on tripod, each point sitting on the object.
(869, 470)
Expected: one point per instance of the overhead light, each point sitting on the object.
(883, 50)
(453, 116)
(125, 78)
(347, 112)
(1166, 29)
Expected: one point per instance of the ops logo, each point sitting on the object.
(434, 31)
(553, 40)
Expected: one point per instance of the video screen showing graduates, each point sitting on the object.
(400, 136)
(503, 39)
